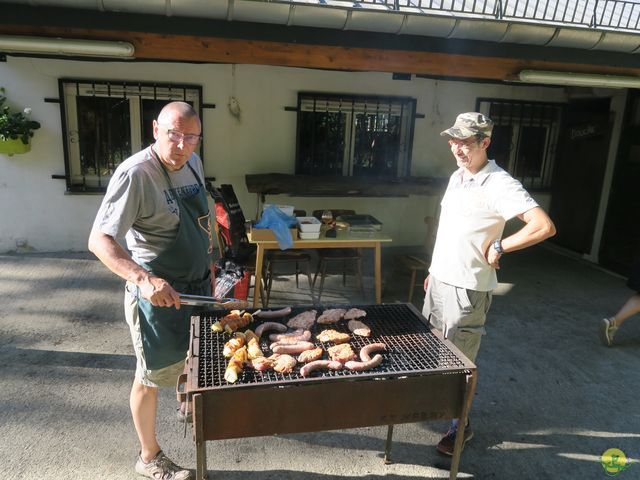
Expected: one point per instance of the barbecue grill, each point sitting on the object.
(422, 377)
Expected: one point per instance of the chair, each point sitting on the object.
(299, 258)
(343, 255)
(417, 264)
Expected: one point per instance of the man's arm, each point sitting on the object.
(157, 290)
(538, 227)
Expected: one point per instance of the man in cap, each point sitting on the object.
(479, 199)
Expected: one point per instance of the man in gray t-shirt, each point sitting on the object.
(157, 201)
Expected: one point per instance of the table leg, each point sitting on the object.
(378, 272)
(258, 275)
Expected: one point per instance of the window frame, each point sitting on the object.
(406, 136)
(128, 89)
(552, 125)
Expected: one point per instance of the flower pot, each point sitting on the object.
(11, 147)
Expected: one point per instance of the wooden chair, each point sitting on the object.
(344, 255)
(417, 264)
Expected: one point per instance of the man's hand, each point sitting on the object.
(159, 292)
(493, 257)
(426, 282)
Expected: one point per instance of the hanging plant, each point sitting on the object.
(17, 125)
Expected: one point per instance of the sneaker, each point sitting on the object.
(161, 468)
(607, 331)
(446, 444)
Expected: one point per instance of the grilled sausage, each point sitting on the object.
(298, 335)
(367, 350)
(260, 329)
(318, 365)
(292, 348)
(283, 312)
(361, 366)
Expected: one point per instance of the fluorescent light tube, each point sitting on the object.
(65, 46)
(579, 79)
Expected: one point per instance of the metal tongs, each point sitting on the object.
(225, 303)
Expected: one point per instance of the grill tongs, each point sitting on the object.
(224, 303)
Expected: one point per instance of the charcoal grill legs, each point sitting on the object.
(387, 446)
(201, 444)
(464, 415)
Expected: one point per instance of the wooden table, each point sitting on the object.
(343, 240)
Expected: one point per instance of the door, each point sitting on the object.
(620, 244)
(577, 181)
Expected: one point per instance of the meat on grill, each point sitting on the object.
(262, 364)
(367, 350)
(283, 363)
(283, 312)
(319, 365)
(332, 315)
(266, 326)
(333, 336)
(359, 328)
(342, 353)
(298, 335)
(291, 348)
(354, 313)
(304, 320)
(361, 366)
(310, 355)
(236, 365)
(233, 344)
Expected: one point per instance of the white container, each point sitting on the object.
(309, 224)
(287, 209)
(309, 235)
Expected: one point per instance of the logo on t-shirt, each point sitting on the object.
(186, 191)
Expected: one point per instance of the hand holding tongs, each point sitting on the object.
(201, 301)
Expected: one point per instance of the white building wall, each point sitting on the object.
(36, 210)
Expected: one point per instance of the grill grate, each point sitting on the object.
(411, 349)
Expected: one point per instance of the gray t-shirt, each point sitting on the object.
(141, 206)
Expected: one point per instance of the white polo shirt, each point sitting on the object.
(474, 211)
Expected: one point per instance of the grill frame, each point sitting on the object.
(330, 400)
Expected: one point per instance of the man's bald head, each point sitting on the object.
(176, 109)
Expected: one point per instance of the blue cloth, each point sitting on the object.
(279, 223)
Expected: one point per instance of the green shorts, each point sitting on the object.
(460, 314)
(163, 377)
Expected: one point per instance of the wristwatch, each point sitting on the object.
(497, 246)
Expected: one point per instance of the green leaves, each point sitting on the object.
(15, 125)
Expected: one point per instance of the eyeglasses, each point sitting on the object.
(177, 137)
(467, 143)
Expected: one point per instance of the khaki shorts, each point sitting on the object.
(460, 314)
(163, 377)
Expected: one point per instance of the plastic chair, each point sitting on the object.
(344, 255)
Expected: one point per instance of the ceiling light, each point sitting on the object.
(65, 46)
(579, 79)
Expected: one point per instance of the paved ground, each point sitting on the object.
(550, 398)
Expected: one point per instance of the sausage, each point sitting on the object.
(361, 366)
(283, 312)
(367, 350)
(318, 365)
(298, 335)
(292, 348)
(280, 327)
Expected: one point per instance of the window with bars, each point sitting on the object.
(105, 122)
(525, 138)
(354, 135)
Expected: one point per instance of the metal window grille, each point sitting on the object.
(354, 135)
(608, 14)
(105, 122)
(525, 138)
